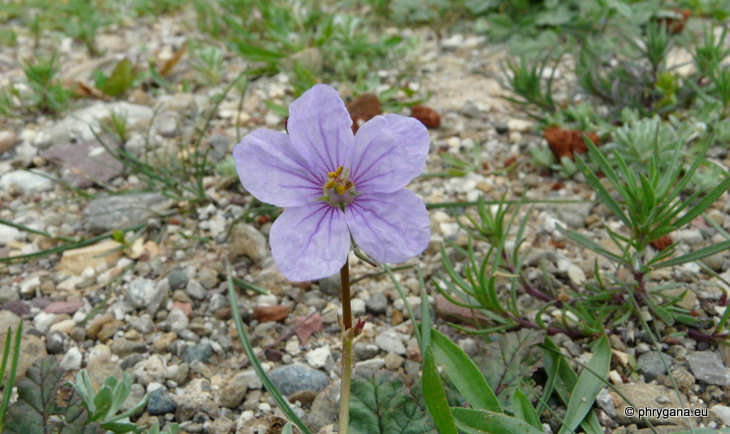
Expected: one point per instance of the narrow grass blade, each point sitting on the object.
(588, 385)
(483, 422)
(703, 204)
(464, 373)
(405, 301)
(278, 398)
(693, 256)
(587, 242)
(425, 315)
(435, 397)
(13, 370)
(250, 286)
(523, 409)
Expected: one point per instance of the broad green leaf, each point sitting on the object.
(523, 409)
(483, 422)
(435, 397)
(464, 373)
(287, 428)
(380, 403)
(37, 409)
(508, 364)
(590, 382)
(565, 382)
(120, 79)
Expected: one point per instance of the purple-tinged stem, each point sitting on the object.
(348, 336)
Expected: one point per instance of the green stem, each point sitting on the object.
(347, 339)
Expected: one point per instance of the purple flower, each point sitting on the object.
(331, 181)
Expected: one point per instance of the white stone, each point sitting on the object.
(519, 125)
(318, 358)
(43, 321)
(292, 346)
(723, 412)
(72, 360)
(28, 182)
(9, 233)
(266, 300)
(576, 274)
(357, 306)
(28, 286)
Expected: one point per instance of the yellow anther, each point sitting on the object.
(348, 184)
(336, 173)
(341, 189)
(330, 184)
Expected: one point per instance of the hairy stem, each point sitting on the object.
(347, 339)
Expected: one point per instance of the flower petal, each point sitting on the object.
(273, 171)
(390, 227)
(310, 242)
(389, 152)
(319, 125)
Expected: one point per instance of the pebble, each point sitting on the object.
(199, 352)
(247, 240)
(178, 321)
(330, 285)
(71, 360)
(651, 364)
(357, 306)
(195, 290)
(377, 304)
(723, 412)
(177, 278)
(365, 351)
(318, 358)
(159, 401)
(54, 342)
(106, 213)
(390, 343)
(146, 293)
(370, 365)
(208, 277)
(27, 182)
(707, 366)
(519, 125)
(8, 139)
(293, 378)
(9, 234)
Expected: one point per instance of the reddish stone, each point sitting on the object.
(363, 108)
(567, 143)
(451, 312)
(662, 242)
(428, 117)
(70, 306)
(184, 307)
(270, 313)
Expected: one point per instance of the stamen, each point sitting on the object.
(336, 173)
(341, 189)
(348, 184)
(330, 184)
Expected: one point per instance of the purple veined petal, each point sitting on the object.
(389, 152)
(390, 227)
(272, 170)
(319, 126)
(310, 242)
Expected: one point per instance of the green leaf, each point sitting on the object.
(703, 204)
(523, 409)
(13, 369)
(590, 382)
(287, 428)
(120, 80)
(697, 254)
(508, 364)
(435, 397)
(102, 402)
(565, 382)
(278, 398)
(37, 409)
(464, 373)
(483, 422)
(380, 403)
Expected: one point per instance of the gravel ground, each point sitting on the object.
(158, 309)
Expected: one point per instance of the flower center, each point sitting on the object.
(339, 190)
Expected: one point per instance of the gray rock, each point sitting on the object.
(8, 319)
(574, 214)
(143, 324)
(178, 321)
(377, 304)
(8, 293)
(469, 346)
(160, 402)
(365, 351)
(324, 408)
(195, 290)
(234, 391)
(330, 285)
(723, 412)
(293, 378)
(77, 124)
(201, 352)
(651, 364)
(107, 213)
(8, 234)
(708, 367)
(369, 365)
(604, 402)
(208, 277)
(28, 182)
(83, 163)
(247, 240)
(54, 342)
(391, 343)
(145, 293)
(178, 278)
(217, 301)
(166, 124)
